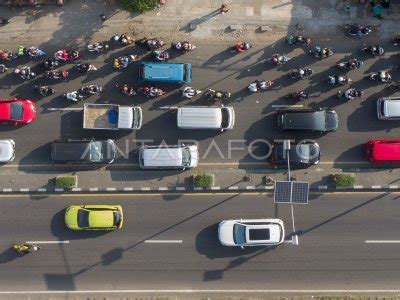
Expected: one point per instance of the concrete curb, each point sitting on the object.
(182, 189)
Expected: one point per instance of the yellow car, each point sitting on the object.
(94, 217)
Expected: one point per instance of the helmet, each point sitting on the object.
(301, 72)
(116, 38)
(382, 75)
(125, 88)
(246, 46)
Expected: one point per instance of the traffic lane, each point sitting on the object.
(332, 231)
(355, 117)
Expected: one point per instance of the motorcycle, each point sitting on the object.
(33, 52)
(75, 96)
(89, 90)
(3, 68)
(66, 55)
(241, 47)
(123, 61)
(319, 52)
(357, 30)
(7, 55)
(298, 96)
(150, 91)
(383, 76)
(56, 74)
(350, 94)
(337, 80)
(189, 92)
(373, 50)
(25, 73)
(126, 90)
(150, 44)
(49, 64)
(44, 90)
(296, 40)
(85, 68)
(99, 47)
(26, 248)
(217, 95)
(258, 85)
(122, 39)
(301, 73)
(278, 59)
(351, 64)
(184, 46)
(160, 55)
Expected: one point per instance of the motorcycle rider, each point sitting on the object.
(161, 55)
(56, 74)
(85, 68)
(128, 90)
(89, 89)
(75, 96)
(25, 72)
(44, 90)
(279, 59)
(26, 248)
(301, 95)
(384, 76)
(243, 46)
(253, 87)
(189, 92)
(3, 68)
(352, 93)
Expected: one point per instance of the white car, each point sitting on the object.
(252, 232)
(7, 150)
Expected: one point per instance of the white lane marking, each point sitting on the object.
(7, 190)
(382, 241)
(128, 188)
(76, 189)
(250, 187)
(145, 189)
(358, 187)
(180, 188)
(66, 108)
(187, 291)
(41, 189)
(47, 242)
(376, 187)
(163, 241)
(24, 190)
(215, 188)
(59, 189)
(322, 187)
(111, 189)
(163, 188)
(296, 105)
(393, 186)
(169, 107)
(93, 189)
(233, 187)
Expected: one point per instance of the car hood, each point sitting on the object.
(6, 150)
(101, 219)
(71, 217)
(225, 233)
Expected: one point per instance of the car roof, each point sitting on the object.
(305, 119)
(386, 150)
(101, 218)
(392, 108)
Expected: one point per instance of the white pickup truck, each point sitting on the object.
(111, 116)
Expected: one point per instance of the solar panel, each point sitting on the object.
(283, 190)
(300, 192)
(291, 192)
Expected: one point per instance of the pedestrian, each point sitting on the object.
(103, 17)
(224, 8)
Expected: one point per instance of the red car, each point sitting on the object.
(17, 111)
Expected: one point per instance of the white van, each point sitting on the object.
(388, 108)
(168, 157)
(206, 117)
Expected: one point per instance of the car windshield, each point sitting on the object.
(303, 153)
(16, 111)
(117, 218)
(225, 118)
(239, 234)
(186, 157)
(95, 152)
(330, 121)
(83, 218)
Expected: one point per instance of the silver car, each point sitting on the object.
(7, 150)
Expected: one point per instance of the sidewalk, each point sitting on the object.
(78, 22)
(176, 181)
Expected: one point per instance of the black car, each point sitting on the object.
(322, 120)
(300, 155)
(83, 151)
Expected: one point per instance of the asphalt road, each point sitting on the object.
(332, 253)
(215, 67)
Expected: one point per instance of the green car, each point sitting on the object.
(94, 217)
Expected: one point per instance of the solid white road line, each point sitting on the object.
(382, 241)
(47, 242)
(296, 105)
(163, 241)
(188, 291)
